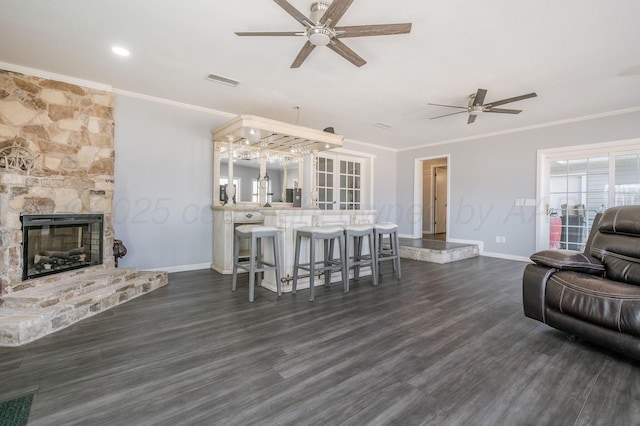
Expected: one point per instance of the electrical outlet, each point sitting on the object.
(503, 239)
(497, 239)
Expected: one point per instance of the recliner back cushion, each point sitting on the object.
(617, 244)
(621, 220)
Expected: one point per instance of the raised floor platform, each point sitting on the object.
(35, 312)
(436, 251)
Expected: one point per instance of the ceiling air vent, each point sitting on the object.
(383, 125)
(223, 80)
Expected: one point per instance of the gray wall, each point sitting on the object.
(488, 174)
(384, 179)
(163, 186)
(164, 168)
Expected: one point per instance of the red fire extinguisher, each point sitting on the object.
(555, 231)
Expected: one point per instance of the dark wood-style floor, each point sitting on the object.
(446, 345)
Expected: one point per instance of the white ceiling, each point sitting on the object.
(570, 52)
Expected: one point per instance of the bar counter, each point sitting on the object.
(287, 220)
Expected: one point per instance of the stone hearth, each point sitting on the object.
(69, 131)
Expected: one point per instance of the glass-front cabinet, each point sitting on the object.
(341, 182)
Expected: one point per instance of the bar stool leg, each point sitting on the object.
(344, 262)
(312, 267)
(296, 262)
(397, 252)
(259, 264)
(252, 269)
(236, 259)
(276, 257)
(374, 259)
(378, 251)
(328, 254)
(357, 256)
(347, 264)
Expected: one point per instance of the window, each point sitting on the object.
(627, 180)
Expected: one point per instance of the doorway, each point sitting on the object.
(576, 183)
(435, 198)
(440, 202)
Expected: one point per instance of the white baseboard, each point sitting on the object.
(505, 256)
(183, 268)
(480, 245)
(407, 236)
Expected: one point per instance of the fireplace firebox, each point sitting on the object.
(60, 242)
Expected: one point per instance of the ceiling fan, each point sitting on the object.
(321, 29)
(476, 105)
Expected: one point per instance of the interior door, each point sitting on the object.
(440, 200)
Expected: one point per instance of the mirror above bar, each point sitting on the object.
(265, 159)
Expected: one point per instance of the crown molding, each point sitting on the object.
(371, 145)
(526, 128)
(173, 103)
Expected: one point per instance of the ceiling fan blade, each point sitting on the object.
(297, 15)
(335, 11)
(341, 49)
(503, 110)
(471, 119)
(449, 106)
(270, 33)
(303, 54)
(508, 100)
(446, 115)
(480, 95)
(373, 30)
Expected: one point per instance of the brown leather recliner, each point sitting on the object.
(595, 294)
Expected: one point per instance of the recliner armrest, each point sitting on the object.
(566, 260)
(534, 283)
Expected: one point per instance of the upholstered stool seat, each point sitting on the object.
(256, 264)
(327, 234)
(390, 252)
(354, 241)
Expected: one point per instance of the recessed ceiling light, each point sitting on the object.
(120, 51)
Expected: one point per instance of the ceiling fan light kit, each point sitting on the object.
(477, 105)
(321, 29)
(320, 36)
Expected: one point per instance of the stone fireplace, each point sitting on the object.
(57, 164)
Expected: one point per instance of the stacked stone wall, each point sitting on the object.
(69, 130)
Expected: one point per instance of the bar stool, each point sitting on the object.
(256, 264)
(355, 234)
(327, 234)
(387, 253)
